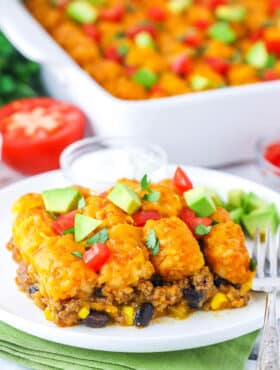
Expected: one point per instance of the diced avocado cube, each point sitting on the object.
(84, 225)
(198, 201)
(236, 215)
(199, 82)
(125, 198)
(61, 200)
(215, 197)
(252, 202)
(257, 56)
(144, 40)
(223, 32)
(235, 198)
(261, 219)
(178, 6)
(231, 13)
(81, 11)
(145, 77)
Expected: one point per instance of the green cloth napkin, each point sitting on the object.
(40, 354)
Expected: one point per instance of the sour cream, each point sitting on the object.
(100, 169)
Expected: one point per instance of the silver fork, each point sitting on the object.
(268, 280)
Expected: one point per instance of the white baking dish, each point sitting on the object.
(208, 128)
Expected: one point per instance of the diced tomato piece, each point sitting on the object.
(181, 65)
(182, 181)
(270, 75)
(142, 217)
(92, 31)
(274, 5)
(157, 14)
(103, 194)
(97, 256)
(132, 32)
(218, 65)
(64, 222)
(272, 153)
(112, 53)
(190, 219)
(130, 70)
(213, 4)
(192, 39)
(201, 24)
(257, 34)
(156, 90)
(33, 143)
(273, 46)
(114, 14)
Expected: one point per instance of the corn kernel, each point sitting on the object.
(128, 313)
(48, 314)
(179, 312)
(83, 313)
(247, 286)
(218, 301)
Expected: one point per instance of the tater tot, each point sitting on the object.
(226, 253)
(179, 254)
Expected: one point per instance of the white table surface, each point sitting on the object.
(249, 171)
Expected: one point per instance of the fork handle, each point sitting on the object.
(269, 357)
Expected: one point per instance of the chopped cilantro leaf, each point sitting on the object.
(152, 242)
(253, 264)
(77, 254)
(202, 229)
(101, 237)
(81, 203)
(145, 182)
(68, 231)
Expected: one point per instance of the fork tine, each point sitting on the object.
(273, 254)
(260, 254)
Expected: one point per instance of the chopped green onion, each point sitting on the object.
(202, 229)
(253, 264)
(68, 231)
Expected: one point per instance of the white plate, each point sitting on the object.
(200, 329)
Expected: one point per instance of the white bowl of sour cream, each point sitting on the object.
(98, 162)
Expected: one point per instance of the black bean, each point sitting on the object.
(144, 314)
(193, 297)
(33, 289)
(157, 280)
(96, 319)
(97, 292)
(218, 281)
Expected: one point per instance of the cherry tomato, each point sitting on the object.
(270, 75)
(157, 14)
(92, 31)
(97, 256)
(181, 181)
(218, 65)
(64, 222)
(190, 219)
(142, 217)
(35, 132)
(181, 65)
(114, 14)
(132, 32)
